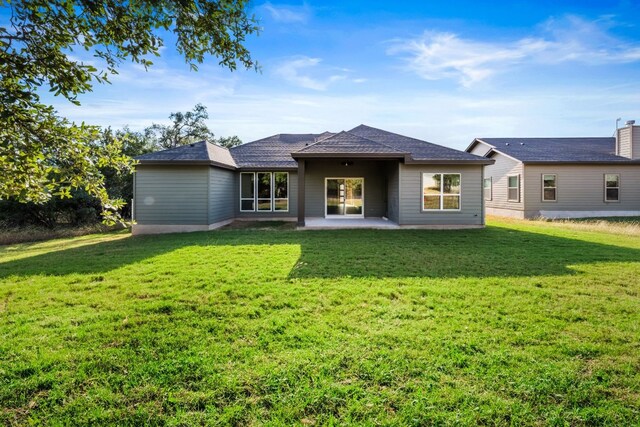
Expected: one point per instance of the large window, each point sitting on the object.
(440, 191)
(488, 189)
(513, 188)
(549, 188)
(264, 191)
(611, 187)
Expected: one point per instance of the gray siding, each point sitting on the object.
(293, 199)
(393, 192)
(375, 190)
(635, 141)
(481, 149)
(221, 200)
(624, 142)
(411, 196)
(581, 188)
(499, 172)
(171, 195)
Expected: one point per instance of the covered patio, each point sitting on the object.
(348, 223)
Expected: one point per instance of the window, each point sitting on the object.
(247, 192)
(611, 187)
(264, 191)
(488, 188)
(549, 188)
(280, 191)
(513, 188)
(440, 191)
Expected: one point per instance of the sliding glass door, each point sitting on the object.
(344, 197)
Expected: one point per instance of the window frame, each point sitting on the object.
(517, 187)
(253, 199)
(441, 194)
(272, 199)
(555, 187)
(605, 188)
(484, 189)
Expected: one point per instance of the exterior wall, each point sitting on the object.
(635, 142)
(624, 142)
(481, 149)
(499, 172)
(293, 199)
(221, 200)
(580, 188)
(393, 192)
(411, 196)
(172, 195)
(373, 172)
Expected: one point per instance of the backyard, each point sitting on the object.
(528, 323)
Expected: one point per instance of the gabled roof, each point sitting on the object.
(202, 152)
(418, 149)
(556, 150)
(347, 143)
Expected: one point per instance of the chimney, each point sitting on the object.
(628, 140)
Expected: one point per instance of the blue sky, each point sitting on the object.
(442, 71)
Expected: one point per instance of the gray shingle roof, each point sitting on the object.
(273, 151)
(418, 149)
(348, 143)
(558, 150)
(202, 151)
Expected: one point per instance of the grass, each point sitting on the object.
(522, 323)
(13, 235)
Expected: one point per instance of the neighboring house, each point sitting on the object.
(361, 173)
(562, 177)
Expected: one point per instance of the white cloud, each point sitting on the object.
(288, 14)
(297, 71)
(443, 55)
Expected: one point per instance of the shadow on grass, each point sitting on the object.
(490, 252)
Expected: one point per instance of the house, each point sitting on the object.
(562, 177)
(361, 174)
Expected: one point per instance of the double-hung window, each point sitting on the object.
(513, 188)
(441, 191)
(264, 191)
(488, 188)
(549, 188)
(611, 187)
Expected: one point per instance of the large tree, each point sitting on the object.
(43, 155)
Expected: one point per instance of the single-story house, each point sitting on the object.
(359, 174)
(562, 177)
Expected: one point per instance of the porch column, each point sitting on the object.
(301, 169)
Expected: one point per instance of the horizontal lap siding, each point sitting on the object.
(171, 195)
(499, 173)
(625, 142)
(293, 200)
(581, 188)
(373, 172)
(393, 188)
(221, 200)
(635, 142)
(411, 196)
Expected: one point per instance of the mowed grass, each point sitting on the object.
(516, 324)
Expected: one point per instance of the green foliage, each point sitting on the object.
(43, 155)
(516, 324)
(186, 128)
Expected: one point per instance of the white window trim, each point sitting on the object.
(604, 183)
(484, 190)
(247, 198)
(517, 199)
(555, 179)
(274, 193)
(441, 193)
(272, 197)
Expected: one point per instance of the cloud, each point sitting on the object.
(297, 72)
(288, 14)
(443, 55)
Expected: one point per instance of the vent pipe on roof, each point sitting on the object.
(630, 122)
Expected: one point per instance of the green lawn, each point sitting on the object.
(519, 323)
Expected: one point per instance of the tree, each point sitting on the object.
(43, 155)
(186, 128)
